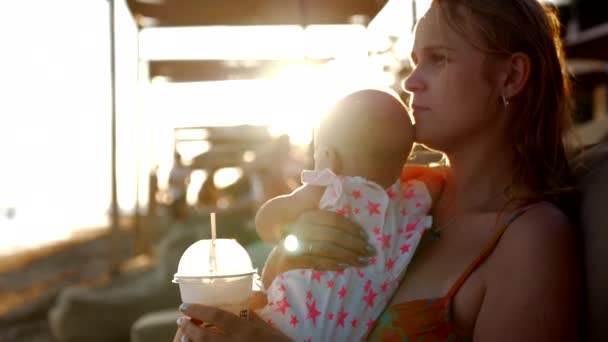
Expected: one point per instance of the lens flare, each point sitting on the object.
(291, 243)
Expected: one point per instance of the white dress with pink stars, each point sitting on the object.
(309, 305)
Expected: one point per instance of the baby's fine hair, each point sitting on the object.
(377, 121)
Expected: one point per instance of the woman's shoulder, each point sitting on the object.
(541, 235)
(539, 222)
(533, 278)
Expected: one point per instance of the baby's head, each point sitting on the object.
(368, 133)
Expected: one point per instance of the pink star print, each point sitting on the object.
(373, 208)
(294, 321)
(308, 295)
(368, 285)
(390, 263)
(316, 275)
(372, 260)
(356, 194)
(282, 288)
(412, 226)
(342, 292)
(282, 305)
(269, 322)
(377, 230)
(391, 194)
(369, 298)
(330, 284)
(400, 231)
(353, 323)
(330, 316)
(403, 212)
(345, 210)
(370, 323)
(386, 240)
(408, 236)
(409, 194)
(309, 339)
(341, 317)
(313, 312)
(356, 211)
(405, 248)
(359, 273)
(418, 204)
(340, 272)
(384, 286)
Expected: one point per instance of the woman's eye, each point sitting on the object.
(437, 58)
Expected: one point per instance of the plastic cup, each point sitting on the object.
(225, 282)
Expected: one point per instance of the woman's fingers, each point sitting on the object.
(192, 332)
(335, 253)
(222, 322)
(212, 314)
(290, 262)
(323, 238)
(329, 227)
(226, 326)
(330, 219)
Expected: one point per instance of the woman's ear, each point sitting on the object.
(517, 75)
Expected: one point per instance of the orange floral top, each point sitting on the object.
(430, 320)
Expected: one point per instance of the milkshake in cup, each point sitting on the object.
(216, 272)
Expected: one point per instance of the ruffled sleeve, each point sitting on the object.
(328, 179)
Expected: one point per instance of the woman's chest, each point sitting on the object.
(439, 266)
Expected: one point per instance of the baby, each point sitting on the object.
(360, 149)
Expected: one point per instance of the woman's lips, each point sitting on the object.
(417, 110)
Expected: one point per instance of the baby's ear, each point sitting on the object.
(335, 162)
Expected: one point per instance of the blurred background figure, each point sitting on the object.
(179, 179)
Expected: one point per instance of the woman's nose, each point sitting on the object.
(413, 82)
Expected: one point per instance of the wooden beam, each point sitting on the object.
(215, 70)
(254, 12)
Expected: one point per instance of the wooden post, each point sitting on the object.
(114, 250)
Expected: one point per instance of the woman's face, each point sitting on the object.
(452, 101)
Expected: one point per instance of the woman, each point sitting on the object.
(488, 88)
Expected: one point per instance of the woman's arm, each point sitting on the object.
(330, 241)
(533, 281)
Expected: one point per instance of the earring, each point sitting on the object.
(505, 101)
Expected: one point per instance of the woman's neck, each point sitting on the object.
(478, 178)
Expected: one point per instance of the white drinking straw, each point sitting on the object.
(213, 232)
(213, 228)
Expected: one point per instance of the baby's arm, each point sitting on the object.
(278, 211)
(270, 270)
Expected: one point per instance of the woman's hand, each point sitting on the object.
(227, 326)
(326, 241)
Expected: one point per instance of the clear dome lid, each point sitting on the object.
(231, 259)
